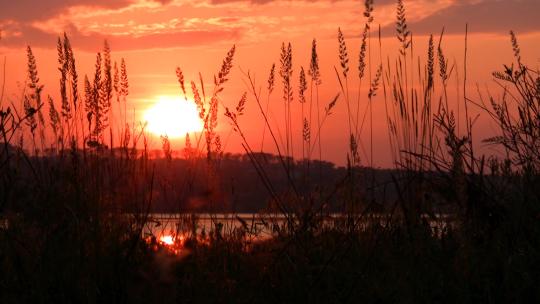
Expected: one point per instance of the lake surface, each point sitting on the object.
(255, 226)
(260, 226)
(252, 226)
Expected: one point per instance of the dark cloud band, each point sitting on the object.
(488, 16)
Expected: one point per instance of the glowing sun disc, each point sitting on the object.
(166, 239)
(173, 116)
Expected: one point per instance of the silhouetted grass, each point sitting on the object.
(458, 226)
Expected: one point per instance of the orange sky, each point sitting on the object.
(156, 36)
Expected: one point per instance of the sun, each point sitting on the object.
(167, 240)
(173, 117)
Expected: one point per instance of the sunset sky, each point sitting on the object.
(156, 36)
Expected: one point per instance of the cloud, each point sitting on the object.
(144, 24)
(39, 10)
(39, 23)
(380, 2)
(163, 2)
(161, 40)
(487, 16)
(31, 10)
(30, 35)
(233, 1)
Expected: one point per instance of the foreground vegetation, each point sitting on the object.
(74, 208)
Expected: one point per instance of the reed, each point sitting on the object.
(449, 224)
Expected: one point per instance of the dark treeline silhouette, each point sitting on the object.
(233, 185)
(240, 189)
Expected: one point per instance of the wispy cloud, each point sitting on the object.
(142, 24)
(127, 24)
(482, 16)
(150, 40)
(31, 10)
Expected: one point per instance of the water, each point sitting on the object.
(253, 226)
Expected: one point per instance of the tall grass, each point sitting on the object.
(439, 172)
(459, 227)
